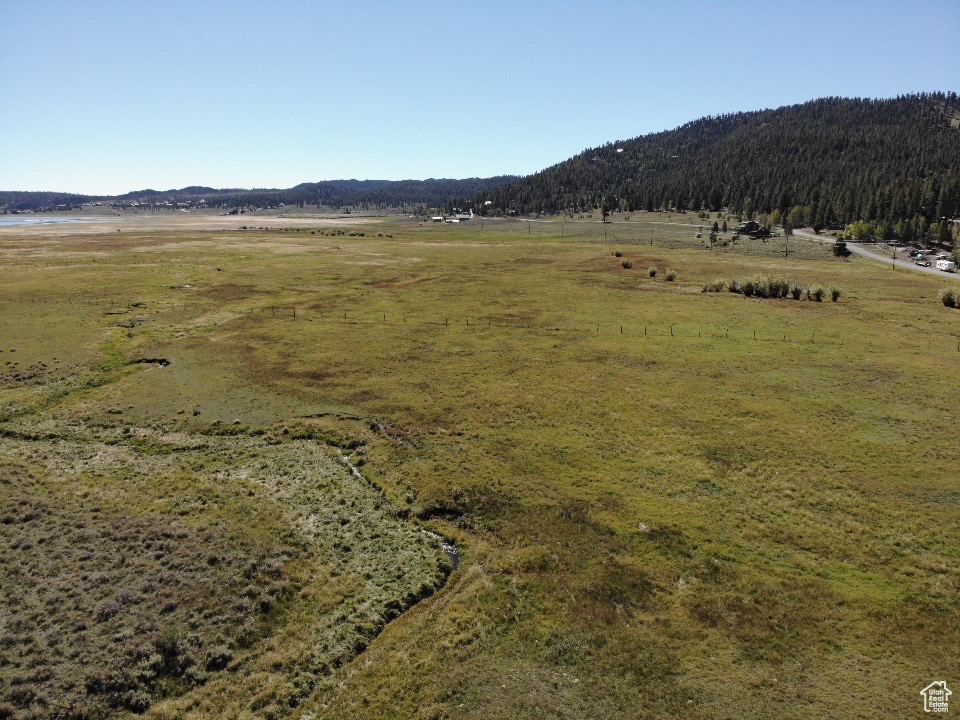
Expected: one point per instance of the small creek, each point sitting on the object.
(450, 550)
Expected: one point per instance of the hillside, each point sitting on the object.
(832, 161)
(14, 200)
(357, 194)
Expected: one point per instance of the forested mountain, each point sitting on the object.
(16, 200)
(829, 162)
(355, 194)
(892, 166)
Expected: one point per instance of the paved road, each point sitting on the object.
(886, 259)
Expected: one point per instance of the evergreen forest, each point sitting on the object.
(893, 165)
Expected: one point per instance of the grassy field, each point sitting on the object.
(668, 502)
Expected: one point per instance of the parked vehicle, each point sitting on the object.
(946, 265)
(921, 260)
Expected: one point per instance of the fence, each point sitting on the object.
(633, 328)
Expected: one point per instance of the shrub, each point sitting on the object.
(670, 275)
(840, 249)
(627, 264)
(107, 609)
(618, 253)
(218, 657)
(137, 700)
(718, 285)
(652, 271)
(765, 286)
(835, 293)
(760, 286)
(779, 287)
(950, 297)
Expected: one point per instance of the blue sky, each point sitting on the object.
(105, 97)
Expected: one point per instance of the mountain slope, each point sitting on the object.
(363, 194)
(835, 159)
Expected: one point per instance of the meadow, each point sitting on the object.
(668, 503)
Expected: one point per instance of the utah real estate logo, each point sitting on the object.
(936, 697)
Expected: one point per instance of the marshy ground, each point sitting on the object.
(669, 502)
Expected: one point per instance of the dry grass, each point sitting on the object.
(144, 563)
(672, 503)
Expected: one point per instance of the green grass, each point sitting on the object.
(670, 502)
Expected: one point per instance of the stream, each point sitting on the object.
(449, 548)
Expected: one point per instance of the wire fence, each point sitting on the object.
(631, 328)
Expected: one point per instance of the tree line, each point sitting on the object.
(410, 195)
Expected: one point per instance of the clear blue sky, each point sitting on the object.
(105, 97)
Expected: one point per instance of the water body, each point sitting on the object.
(9, 220)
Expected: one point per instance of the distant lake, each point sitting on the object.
(26, 219)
